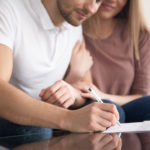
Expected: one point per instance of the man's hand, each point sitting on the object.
(60, 94)
(93, 117)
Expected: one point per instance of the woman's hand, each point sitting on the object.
(84, 86)
(81, 62)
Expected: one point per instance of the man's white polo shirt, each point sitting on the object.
(41, 51)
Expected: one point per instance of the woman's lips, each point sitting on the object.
(107, 7)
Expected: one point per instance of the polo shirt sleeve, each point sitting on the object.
(7, 24)
(141, 84)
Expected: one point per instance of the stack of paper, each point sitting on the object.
(130, 127)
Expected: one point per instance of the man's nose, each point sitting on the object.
(92, 6)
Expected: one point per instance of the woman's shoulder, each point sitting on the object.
(123, 27)
(144, 44)
(144, 36)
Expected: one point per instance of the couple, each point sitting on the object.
(36, 42)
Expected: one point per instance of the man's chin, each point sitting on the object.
(75, 23)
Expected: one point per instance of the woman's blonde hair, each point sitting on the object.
(133, 13)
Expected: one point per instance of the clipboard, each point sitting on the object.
(135, 127)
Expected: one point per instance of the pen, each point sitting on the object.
(98, 99)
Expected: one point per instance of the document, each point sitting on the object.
(130, 127)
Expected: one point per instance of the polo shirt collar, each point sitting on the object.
(45, 19)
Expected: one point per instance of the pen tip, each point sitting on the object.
(89, 89)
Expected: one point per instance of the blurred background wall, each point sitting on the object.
(146, 7)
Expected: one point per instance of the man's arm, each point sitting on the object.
(20, 108)
(81, 61)
(6, 63)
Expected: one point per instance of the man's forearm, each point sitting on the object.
(20, 108)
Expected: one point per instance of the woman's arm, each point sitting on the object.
(79, 69)
(141, 83)
(119, 99)
(80, 64)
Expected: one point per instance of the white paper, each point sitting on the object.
(130, 127)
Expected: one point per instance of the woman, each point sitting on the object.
(119, 43)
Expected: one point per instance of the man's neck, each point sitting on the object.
(53, 11)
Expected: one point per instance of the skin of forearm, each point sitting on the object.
(78, 102)
(20, 108)
(120, 99)
(72, 78)
(87, 78)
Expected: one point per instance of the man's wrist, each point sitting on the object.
(64, 120)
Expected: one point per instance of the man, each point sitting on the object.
(37, 38)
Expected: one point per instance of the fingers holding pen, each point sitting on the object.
(106, 114)
(93, 117)
(111, 110)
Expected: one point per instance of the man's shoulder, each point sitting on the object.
(5, 3)
(8, 5)
(6, 9)
(11, 4)
(14, 9)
